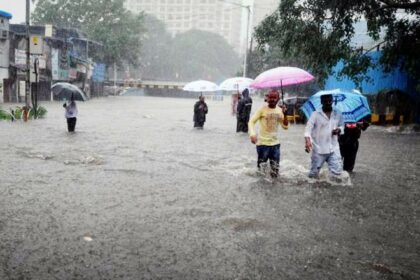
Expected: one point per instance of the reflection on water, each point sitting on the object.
(136, 192)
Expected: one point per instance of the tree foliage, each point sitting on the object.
(106, 21)
(188, 56)
(155, 52)
(320, 33)
(200, 54)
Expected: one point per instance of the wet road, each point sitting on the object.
(136, 193)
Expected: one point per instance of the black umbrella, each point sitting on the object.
(66, 90)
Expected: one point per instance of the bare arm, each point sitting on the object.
(251, 126)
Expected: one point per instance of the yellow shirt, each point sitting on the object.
(269, 125)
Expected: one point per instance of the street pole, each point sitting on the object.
(28, 57)
(248, 8)
(246, 40)
(115, 78)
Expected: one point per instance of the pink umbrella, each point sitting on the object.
(281, 76)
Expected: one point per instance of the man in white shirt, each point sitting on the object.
(321, 136)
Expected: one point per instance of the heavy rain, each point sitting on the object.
(111, 167)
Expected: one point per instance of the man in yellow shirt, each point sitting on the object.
(268, 145)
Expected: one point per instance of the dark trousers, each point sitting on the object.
(71, 124)
(242, 124)
(271, 153)
(348, 153)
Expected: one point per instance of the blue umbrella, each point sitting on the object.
(352, 105)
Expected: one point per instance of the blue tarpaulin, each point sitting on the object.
(396, 79)
(5, 14)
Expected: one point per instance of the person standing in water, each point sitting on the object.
(349, 143)
(270, 118)
(200, 111)
(71, 114)
(243, 111)
(321, 136)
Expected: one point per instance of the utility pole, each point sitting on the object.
(28, 57)
(115, 78)
(248, 8)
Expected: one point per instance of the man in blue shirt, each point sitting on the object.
(321, 136)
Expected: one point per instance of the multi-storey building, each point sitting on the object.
(262, 9)
(218, 16)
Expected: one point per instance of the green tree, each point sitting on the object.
(202, 55)
(155, 52)
(320, 33)
(106, 21)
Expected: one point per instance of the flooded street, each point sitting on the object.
(137, 193)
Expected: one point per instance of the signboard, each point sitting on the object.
(36, 44)
(20, 59)
(48, 30)
(22, 88)
(59, 64)
(98, 74)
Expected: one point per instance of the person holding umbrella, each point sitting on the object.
(321, 136)
(268, 144)
(71, 114)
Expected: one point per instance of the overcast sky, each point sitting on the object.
(16, 8)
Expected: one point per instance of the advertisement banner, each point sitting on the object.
(59, 64)
(20, 59)
(98, 74)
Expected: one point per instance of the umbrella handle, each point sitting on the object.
(282, 94)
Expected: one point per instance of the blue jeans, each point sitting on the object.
(333, 160)
(271, 153)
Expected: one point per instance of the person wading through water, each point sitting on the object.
(243, 111)
(71, 114)
(321, 136)
(200, 111)
(270, 118)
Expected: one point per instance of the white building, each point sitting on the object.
(218, 16)
(4, 49)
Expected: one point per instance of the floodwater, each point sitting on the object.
(137, 193)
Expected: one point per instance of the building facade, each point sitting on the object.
(221, 17)
(4, 50)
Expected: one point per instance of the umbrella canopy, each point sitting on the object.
(281, 76)
(352, 105)
(65, 91)
(236, 84)
(201, 86)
